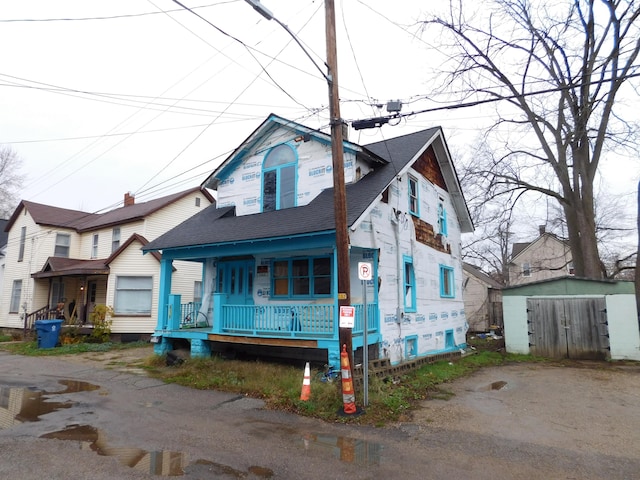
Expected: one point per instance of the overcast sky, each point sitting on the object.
(102, 98)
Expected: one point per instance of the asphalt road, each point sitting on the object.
(77, 420)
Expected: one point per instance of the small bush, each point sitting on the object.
(101, 320)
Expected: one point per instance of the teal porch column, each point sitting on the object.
(166, 269)
(163, 346)
(217, 321)
(200, 348)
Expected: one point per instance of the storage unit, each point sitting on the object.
(572, 317)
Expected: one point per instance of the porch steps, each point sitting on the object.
(382, 368)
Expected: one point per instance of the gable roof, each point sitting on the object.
(58, 266)
(267, 127)
(480, 275)
(221, 225)
(518, 248)
(79, 221)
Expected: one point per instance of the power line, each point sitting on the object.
(110, 17)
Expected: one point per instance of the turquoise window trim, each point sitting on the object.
(312, 277)
(411, 346)
(442, 219)
(414, 196)
(409, 279)
(280, 173)
(447, 284)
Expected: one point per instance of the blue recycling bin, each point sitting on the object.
(48, 332)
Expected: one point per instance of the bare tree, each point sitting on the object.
(10, 180)
(555, 70)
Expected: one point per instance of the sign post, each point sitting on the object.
(365, 274)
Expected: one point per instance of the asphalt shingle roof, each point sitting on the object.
(83, 221)
(216, 226)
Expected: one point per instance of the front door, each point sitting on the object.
(235, 278)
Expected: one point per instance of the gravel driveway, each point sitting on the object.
(589, 408)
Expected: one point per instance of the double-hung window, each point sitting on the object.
(279, 179)
(442, 218)
(115, 239)
(16, 293)
(409, 285)
(447, 289)
(94, 246)
(414, 208)
(305, 277)
(63, 242)
(526, 269)
(23, 240)
(133, 295)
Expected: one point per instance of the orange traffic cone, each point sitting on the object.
(348, 395)
(306, 384)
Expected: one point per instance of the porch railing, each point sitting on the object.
(279, 320)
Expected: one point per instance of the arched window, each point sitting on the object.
(279, 179)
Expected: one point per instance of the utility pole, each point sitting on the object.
(339, 189)
(337, 154)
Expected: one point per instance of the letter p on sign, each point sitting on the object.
(364, 271)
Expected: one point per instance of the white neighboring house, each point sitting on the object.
(546, 257)
(56, 256)
(482, 299)
(3, 252)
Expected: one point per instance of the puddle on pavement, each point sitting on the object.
(497, 385)
(19, 405)
(347, 449)
(163, 462)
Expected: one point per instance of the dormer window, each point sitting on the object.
(279, 178)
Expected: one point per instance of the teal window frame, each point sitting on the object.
(447, 283)
(301, 282)
(279, 178)
(414, 196)
(442, 219)
(411, 346)
(409, 279)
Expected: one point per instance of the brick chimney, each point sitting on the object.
(129, 199)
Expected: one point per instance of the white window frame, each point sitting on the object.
(23, 241)
(16, 294)
(526, 269)
(134, 295)
(115, 239)
(61, 250)
(94, 246)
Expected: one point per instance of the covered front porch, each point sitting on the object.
(282, 297)
(294, 325)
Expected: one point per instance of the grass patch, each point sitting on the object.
(31, 348)
(279, 385)
(6, 338)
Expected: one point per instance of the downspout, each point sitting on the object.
(399, 309)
